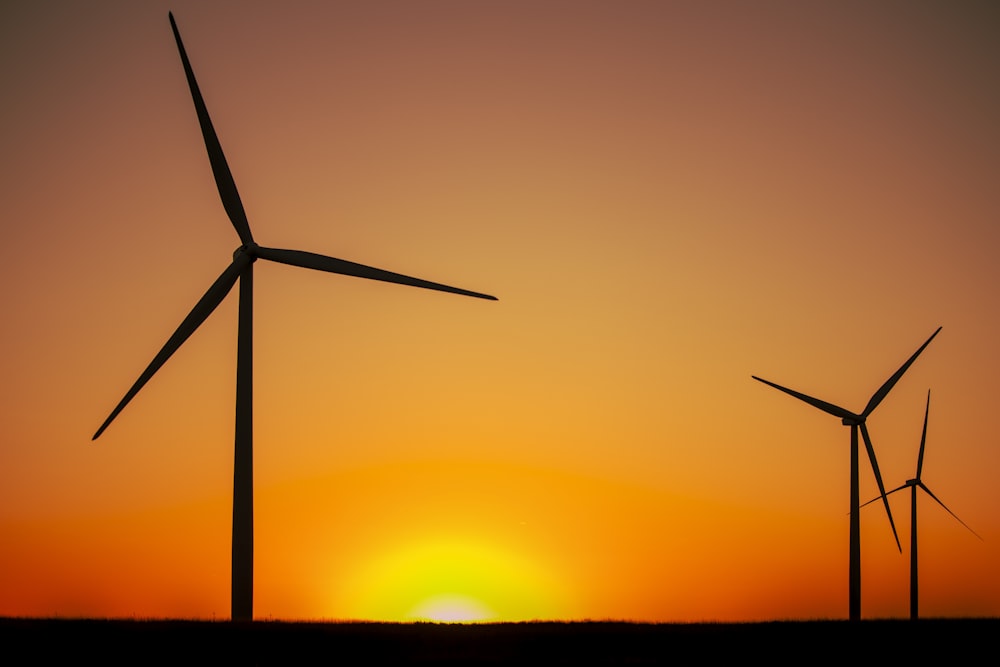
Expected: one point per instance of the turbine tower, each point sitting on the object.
(857, 422)
(241, 268)
(913, 484)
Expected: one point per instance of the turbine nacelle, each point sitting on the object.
(856, 420)
(247, 249)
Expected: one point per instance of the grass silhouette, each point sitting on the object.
(959, 641)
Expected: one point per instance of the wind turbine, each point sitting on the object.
(913, 484)
(857, 422)
(241, 268)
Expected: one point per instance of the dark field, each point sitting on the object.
(958, 641)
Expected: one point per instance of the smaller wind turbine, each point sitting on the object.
(913, 484)
(857, 423)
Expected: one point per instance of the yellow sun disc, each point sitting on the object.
(451, 580)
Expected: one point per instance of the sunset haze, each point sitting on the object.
(666, 197)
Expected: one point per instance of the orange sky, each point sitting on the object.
(667, 197)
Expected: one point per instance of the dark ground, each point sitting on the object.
(42, 641)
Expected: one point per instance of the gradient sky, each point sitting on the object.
(667, 197)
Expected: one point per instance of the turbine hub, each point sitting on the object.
(248, 249)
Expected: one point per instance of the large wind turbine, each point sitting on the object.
(241, 268)
(857, 422)
(913, 484)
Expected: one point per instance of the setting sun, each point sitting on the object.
(451, 609)
(452, 580)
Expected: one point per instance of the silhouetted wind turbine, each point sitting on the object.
(241, 268)
(913, 484)
(856, 422)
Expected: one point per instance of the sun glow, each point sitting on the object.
(452, 581)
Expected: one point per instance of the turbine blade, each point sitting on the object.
(891, 382)
(931, 494)
(208, 303)
(888, 493)
(223, 177)
(923, 436)
(829, 408)
(878, 478)
(309, 260)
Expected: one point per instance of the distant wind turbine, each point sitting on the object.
(241, 268)
(856, 422)
(913, 484)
